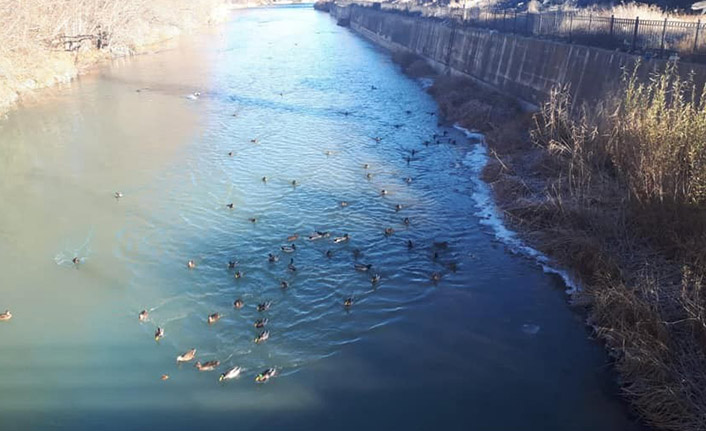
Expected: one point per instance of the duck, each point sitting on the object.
(410, 244)
(389, 231)
(328, 152)
(188, 356)
(264, 306)
(408, 180)
(329, 254)
(118, 195)
(260, 323)
(340, 239)
(398, 207)
(238, 275)
(436, 276)
(265, 375)
(384, 192)
(283, 284)
(362, 267)
(230, 153)
(213, 318)
(143, 316)
(272, 258)
(318, 235)
(292, 238)
(405, 221)
(252, 220)
(238, 303)
(158, 334)
(207, 366)
(230, 374)
(191, 264)
(366, 166)
(291, 266)
(230, 205)
(344, 204)
(264, 179)
(289, 248)
(254, 140)
(375, 279)
(372, 87)
(4, 317)
(294, 183)
(261, 337)
(76, 260)
(164, 377)
(231, 264)
(377, 139)
(369, 176)
(348, 302)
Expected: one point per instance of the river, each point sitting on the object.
(491, 346)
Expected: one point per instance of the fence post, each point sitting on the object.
(696, 36)
(634, 34)
(571, 25)
(664, 32)
(612, 19)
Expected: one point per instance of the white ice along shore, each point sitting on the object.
(491, 216)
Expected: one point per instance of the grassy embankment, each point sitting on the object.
(51, 41)
(617, 193)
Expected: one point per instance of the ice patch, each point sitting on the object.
(490, 215)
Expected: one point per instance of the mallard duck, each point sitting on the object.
(191, 264)
(188, 356)
(238, 303)
(389, 231)
(294, 183)
(362, 267)
(408, 180)
(118, 195)
(291, 266)
(318, 235)
(231, 264)
(265, 375)
(343, 238)
(369, 176)
(435, 276)
(264, 179)
(207, 366)
(213, 318)
(328, 152)
(252, 220)
(143, 315)
(292, 238)
(230, 153)
(230, 205)
(261, 337)
(164, 377)
(272, 258)
(410, 244)
(6, 316)
(289, 248)
(398, 207)
(158, 334)
(254, 141)
(405, 221)
(375, 279)
(264, 306)
(230, 374)
(283, 284)
(344, 204)
(384, 192)
(76, 260)
(348, 302)
(238, 275)
(260, 323)
(366, 166)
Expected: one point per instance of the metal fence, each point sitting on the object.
(653, 38)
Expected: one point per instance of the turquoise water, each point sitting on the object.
(491, 346)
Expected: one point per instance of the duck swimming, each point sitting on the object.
(207, 366)
(366, 166)
(318, 235)
(408, 180)
(4, 317)
(191, 264)
(230, 153)
(252, 220)
(410, 244)
(283, 284)
(238, 303)
(264, 179)
(213, 318)
(263, 336)
(294, 183)
(164, 377)
(340, 239)
(362, 267)
(348, 302)
(264, 306)
(231, 264)
(384, 192)
(254, 141)
(76, 260)
(188, 356)
(389, 231)
(230, 205)
(398, 207)
(375, 279)
(272, 258)
(369, 176)
(435, 276)
(260, 323)
(230, 374)
(405, 221)
(289, 248)
(292, 238)
(143, 316)
(291, 266)
(265, 375)
(344, 204)
(118, 195)
(158, 334)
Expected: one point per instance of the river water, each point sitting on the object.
(491, 346)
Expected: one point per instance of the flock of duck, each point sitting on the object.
(289, 248)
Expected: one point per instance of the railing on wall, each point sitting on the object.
(659, 38)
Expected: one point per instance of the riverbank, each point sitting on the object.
(639, 259)
(40, 53)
